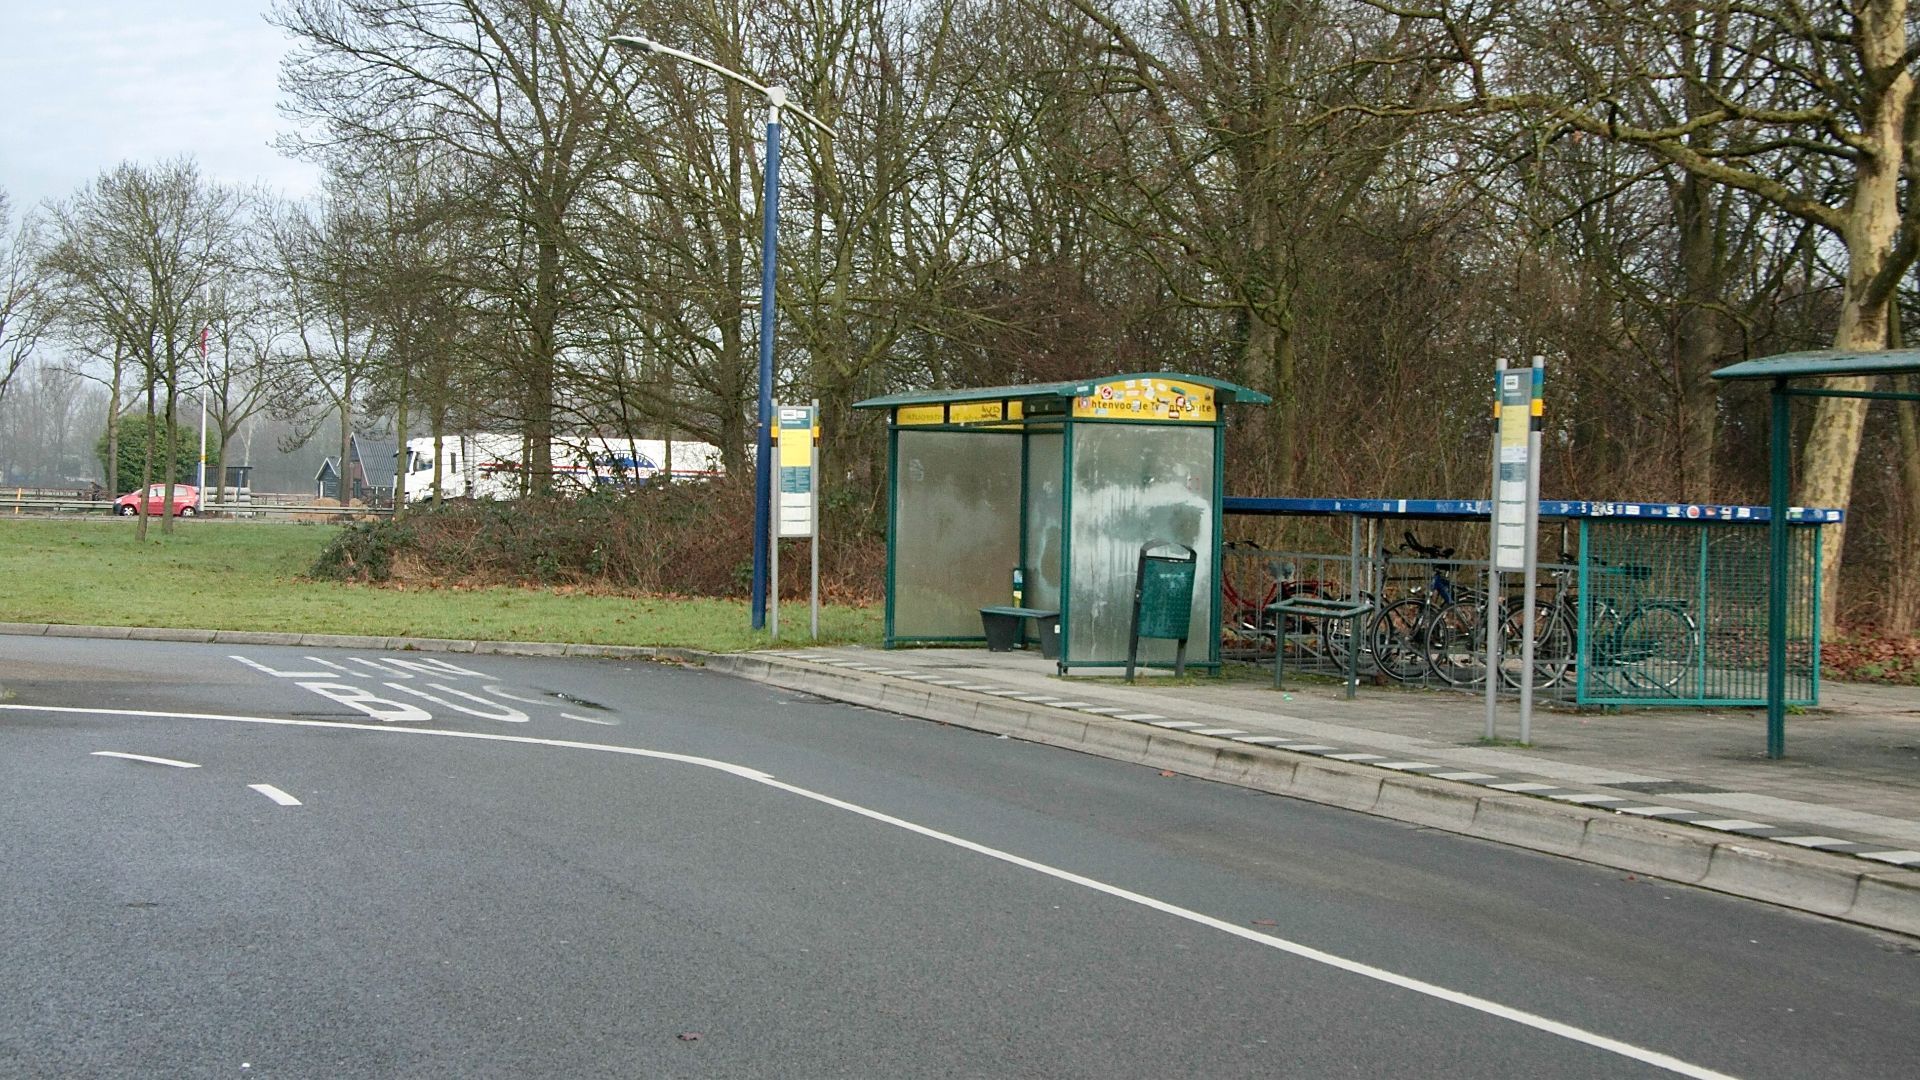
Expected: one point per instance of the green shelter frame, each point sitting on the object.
(1782, 371)
(1047, 491)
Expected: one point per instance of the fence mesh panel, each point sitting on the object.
(1675, 612)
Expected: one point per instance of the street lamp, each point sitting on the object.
(763, 462)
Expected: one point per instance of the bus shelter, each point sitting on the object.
(1045, 495)
(1783, 371)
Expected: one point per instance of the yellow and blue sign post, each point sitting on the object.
(1518, 413)
(796, 434)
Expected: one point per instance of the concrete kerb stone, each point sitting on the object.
(117, 633)
(521, 648)
(21, 629)
(1647, 847)
(346, 641)
(1888, 902)
(1532, 823)
(1802, 883)
(1335, 783)
(1428, 802)
(254, 637)
(447, 645)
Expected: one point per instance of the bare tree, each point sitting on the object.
(135, 250)
(24, 311)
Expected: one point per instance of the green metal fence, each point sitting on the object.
(1675, 612)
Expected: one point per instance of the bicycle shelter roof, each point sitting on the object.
(1480, 509)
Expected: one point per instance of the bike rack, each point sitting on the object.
(1326, 609)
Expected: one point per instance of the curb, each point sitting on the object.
(1743, 866)
(665, 653)
(1786, 876)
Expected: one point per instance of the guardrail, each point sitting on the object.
(21, 505)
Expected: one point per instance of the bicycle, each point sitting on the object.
(1400, 634)
(1652, 645)
(1248, 629)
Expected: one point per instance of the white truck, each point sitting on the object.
(493, 466)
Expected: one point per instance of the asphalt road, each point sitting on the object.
(386, 864)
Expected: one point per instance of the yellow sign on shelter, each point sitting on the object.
(1159, 400)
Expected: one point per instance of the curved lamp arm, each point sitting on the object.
(776, 96)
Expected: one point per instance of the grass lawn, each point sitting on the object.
(239, 575)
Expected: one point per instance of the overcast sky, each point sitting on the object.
(88, 84)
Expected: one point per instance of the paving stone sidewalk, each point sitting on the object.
(1850, 783)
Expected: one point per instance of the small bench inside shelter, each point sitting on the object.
(1017, 514)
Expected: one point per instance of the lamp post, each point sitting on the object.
(776, 98)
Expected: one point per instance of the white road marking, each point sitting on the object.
(1730, 824)
(1408, 766)
(1217, 731)
(1356, 757)
(1808, 841)
(591, 719)
(275, 794)
(366, 701)
(278, 674)
(497, 711)
(1292, 948)
(1524, 786)
(1463, 776)
(145, 758)
(1897, 858)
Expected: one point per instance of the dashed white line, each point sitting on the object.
(1587, 800)
(1408, 766)
(1217, 731)
(1522, 786)
(275, 794)
(1148, 716)
(1355, 757)
(1649, 811)
(1897, 858)
(1730, 824)
(146, 758)
(1464, 776)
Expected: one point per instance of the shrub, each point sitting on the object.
(683, 539)
(363, 551)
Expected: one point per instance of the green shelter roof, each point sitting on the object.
(1823, 364)
(1226, 391)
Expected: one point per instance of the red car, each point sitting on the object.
(186, 501)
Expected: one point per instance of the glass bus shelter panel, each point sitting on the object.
(956, 530)
(1675, 612)
(1045, 519)
(1133, 483)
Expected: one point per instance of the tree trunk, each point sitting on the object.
(1903, 578)
(1697, 345)
(173, 448)
(146, 464)
(1873, 219)
(346, 442)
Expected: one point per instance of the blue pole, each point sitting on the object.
(763, 463)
